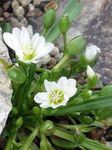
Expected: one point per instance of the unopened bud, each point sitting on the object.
(64, 24)
(49, 18)
(76, 45)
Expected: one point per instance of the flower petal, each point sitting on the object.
(16, 32)
(42, 51)
(68, 86)
(24, 37)
(35, 40)
(12, 42)
(50, 85)
(41, 97)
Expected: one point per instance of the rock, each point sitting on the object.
(14, 21)
(52, 62)
(24, 22)
(6, 5)
(46, 59)
(15, 4)
(5, 88)
(31, 7)
(6, 15)
(19, 11)
(54, 52)
(24, 3)
(36, 2)
(59, 56)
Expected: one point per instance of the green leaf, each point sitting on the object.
(6, 27)
(94, 145)
(94, 104)
(72, 8)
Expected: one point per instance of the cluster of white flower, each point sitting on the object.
(30, 50)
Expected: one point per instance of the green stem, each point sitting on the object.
(24, 90)
(62, 62)
(30, 139)
(65, 42)
(9, 144)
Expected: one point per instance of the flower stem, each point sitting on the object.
(62, 62)
(65, 42)
(30, 139)
(9, 144)
(24, 90)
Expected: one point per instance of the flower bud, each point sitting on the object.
(49, 18)
(92, 52)
(76, 45)
(16, 75)
(48, 128)
(93, 78)
(86, 94)
(19, 122)
(64, 24)
(36, 110)
(90, 56)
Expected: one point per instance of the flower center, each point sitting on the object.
(28, 52)
(56, 96)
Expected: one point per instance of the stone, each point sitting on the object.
(55, 51)
(15, 4)
(5, 87)
(24, 22)
(14, 21)
(19, 11)
(24, 3)
(6, 15)
(45, 60)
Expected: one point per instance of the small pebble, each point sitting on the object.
(59, 56)
(46, 59)
(24, 3)
(14, 21)
(24, 22)
(31, 7)
(6, 5)
(6, 15)
(54, 52)
(19, 11)
(15, 4)
(52, 61)
(36, 2)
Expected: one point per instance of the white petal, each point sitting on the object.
(45, 105)
(41, 97)
(50, 85)
(45, 49)
(16, 32)
(35, 40)
(68, 86)
(90, 72)
(24, 37)
(12, 42)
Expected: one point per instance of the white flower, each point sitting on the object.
(92, 52)
(57, 94)
(28, 50)
(90, 72)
